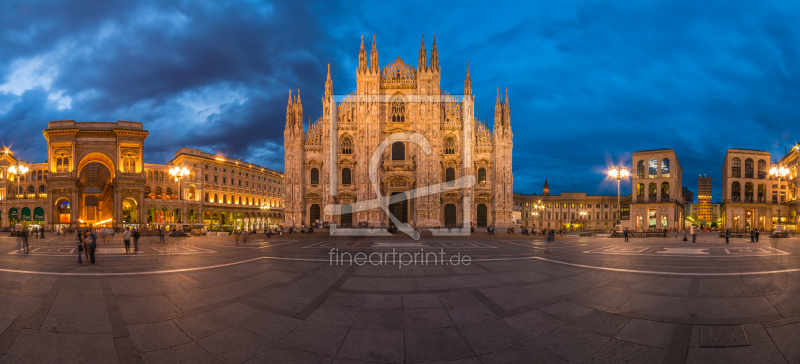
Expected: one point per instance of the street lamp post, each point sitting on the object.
(583, 219)
(618, 172)
(779, 171)
(538, 208)
(18, 169)
(179, 172)
(265, 207)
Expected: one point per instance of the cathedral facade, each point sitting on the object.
(334, 162)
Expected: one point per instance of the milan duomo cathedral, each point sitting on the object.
(398, 99)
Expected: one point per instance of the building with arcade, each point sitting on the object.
(95, 175)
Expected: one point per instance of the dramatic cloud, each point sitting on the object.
(589, 82)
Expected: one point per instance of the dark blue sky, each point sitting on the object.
(589, 82)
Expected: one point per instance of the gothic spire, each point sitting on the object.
(290, 111)
(434, 56)
(298, 111)
(373, 61)
(506, 111)
(498, 111)
(467, 83)
(362, 57)
(328, 83)
(422, 63)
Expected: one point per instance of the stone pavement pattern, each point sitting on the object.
(279, 300)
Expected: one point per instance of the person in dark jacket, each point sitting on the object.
(136, 240)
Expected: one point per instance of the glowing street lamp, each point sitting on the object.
(618, 173)
(583, 218)
(779, 171)
(18, 169)
(538, 208)
(179, 172)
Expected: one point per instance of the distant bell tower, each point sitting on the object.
(546, 190)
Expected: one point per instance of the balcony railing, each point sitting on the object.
(653, 198)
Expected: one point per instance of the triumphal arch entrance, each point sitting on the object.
(95, 168)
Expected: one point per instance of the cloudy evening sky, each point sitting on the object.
(589, 82)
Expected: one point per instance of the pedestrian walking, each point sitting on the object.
(547, 242)
(136, 241)
(236, 236)
(25, 241)
(752, 235)
(91, 239)
(757, 235)
(727, 236)
(126, 238)
(626, 234)
(694, 234)
(79, 243)
(161, 235)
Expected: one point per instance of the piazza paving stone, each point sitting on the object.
(373, 346)
(491, 336)
(534, 323)
(262, 308)
(572, 343)
(80, 311)
(34, 346)
(186, 353)
(432, 345)
(390, 319)
(157, 335)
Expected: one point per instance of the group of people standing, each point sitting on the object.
(86, 243)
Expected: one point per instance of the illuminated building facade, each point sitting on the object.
(704, 192)
(95, 175)
(330, 162)
(657, 202)
(749, 192)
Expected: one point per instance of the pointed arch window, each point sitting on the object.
(449, 146)
(347, 145)
(450, 175)
(482, 175)
(398, 111)
(398, 151)
(346, 176)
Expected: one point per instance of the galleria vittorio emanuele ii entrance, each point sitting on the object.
(95, 176)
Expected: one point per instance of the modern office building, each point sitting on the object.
(704, 192)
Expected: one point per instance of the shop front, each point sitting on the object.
(13, 216)
(38, 217)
